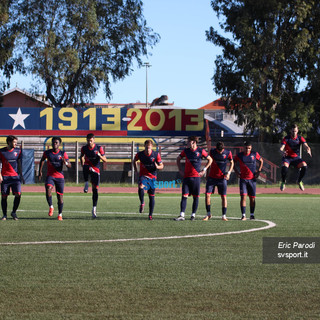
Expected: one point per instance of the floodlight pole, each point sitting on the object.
(147, 65)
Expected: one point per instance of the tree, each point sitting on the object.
(6, 46)
(270, 50)
(74, 46)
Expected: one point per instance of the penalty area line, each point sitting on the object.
(269, 225)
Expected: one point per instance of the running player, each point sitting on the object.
(10, 176)
(192, 174)
(55, 160)
(90, 157)
(248, 173)
(290, 150)
(150, 162)
(218, 177)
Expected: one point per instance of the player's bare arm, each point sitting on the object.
(20, 171)
(67, 163)
(236, 170)
(308, 149)
(135, 165)
(82, 159)
(102, 157)
(208, 164)
(40, 168)
(260, 168)
(227, 176)
(159, 166)
(283, 151)
(179, 166)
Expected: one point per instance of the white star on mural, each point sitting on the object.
(19, 119)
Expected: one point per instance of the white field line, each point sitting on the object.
(231, 197)
(269, 225)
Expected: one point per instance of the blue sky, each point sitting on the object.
(182, 63)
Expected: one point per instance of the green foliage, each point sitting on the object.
(73, 46)
(6, 45)
(269, 47)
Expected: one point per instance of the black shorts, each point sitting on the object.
(221, 184)
(12, 183)
(191, 186)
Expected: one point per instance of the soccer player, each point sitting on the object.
(90, 157)
(248, 173)
(55, 160)
(290, 150)
(192, 174)
(10, 176)
(150, 162)
(218, 177)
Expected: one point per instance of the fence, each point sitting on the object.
(119, 155)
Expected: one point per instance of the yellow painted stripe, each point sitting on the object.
(108, 160)
(103, 140)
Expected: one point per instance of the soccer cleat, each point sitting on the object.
(282, 186)
(301, 186)
(94, 212)
(243, 218)
(50, 213)
(224, 219)
(193, 218)
(4, 218)
(252, 217)
(141, 208)
(14, 216)
(60, 217)
(206, 218)
(180, 218)
(150, 217)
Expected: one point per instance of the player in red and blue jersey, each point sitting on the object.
(10, 176)
(248, 173)
(218, 177)
(55, 159)
(90, 157)
(290, 150)
(192, 174)
(150, 162)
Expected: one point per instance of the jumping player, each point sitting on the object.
(10, 176)
(150, 162)
(55, 160)
(218, 177)
(248, 173)
(290, 150)
(90, 157)
(192, 174)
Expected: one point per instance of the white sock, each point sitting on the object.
(181, 214)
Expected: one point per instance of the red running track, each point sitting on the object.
(231, 190)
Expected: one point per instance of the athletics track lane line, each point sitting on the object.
(269, 225)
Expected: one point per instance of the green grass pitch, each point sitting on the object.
(157, 273)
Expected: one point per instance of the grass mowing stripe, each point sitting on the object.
(189, 278)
